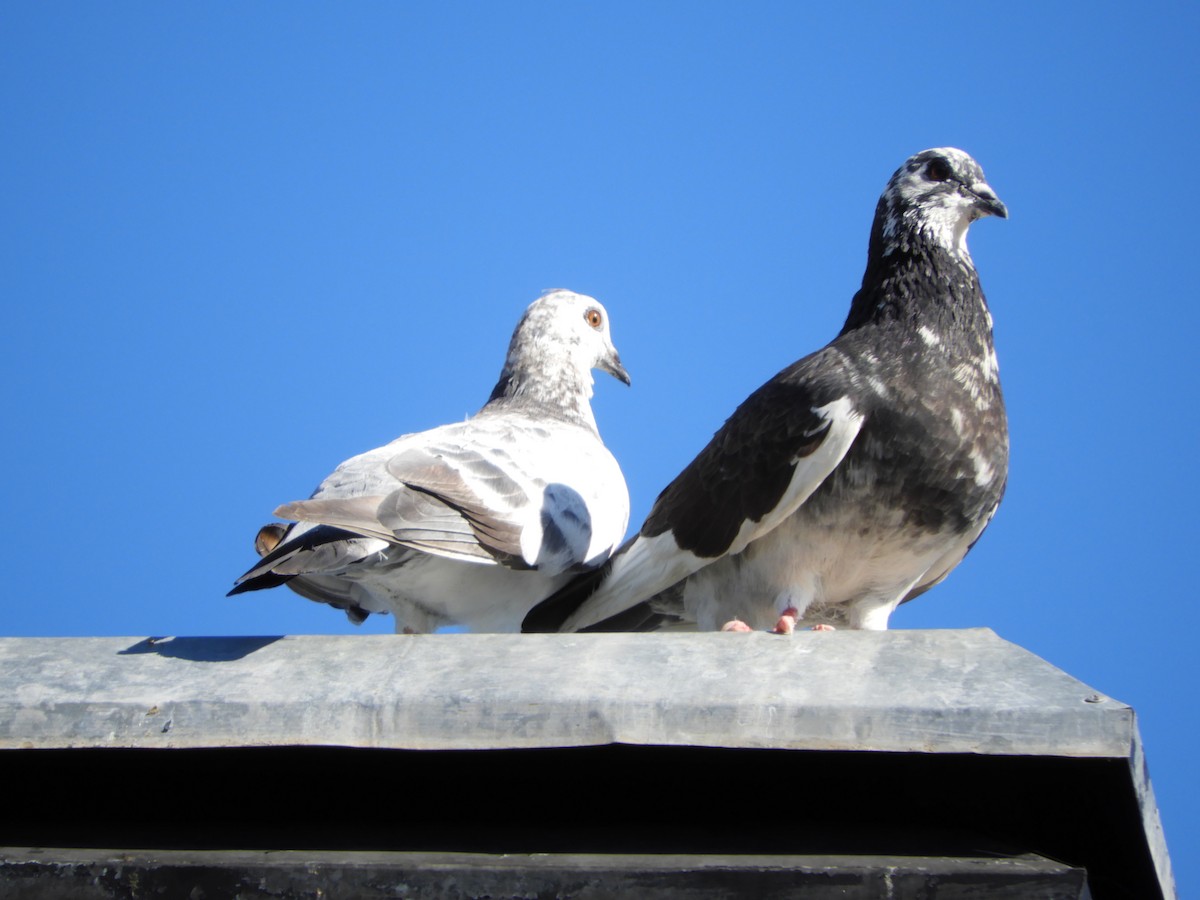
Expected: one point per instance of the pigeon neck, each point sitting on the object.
(556, 390)
(915, 279)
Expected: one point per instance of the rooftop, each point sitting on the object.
(844, 752)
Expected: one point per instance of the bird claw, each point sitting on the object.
(785, 625)
(787, 621)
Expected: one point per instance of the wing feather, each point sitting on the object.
(764, 462)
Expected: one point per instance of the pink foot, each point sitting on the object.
(736, 625)
(787, 621)
(823, 628)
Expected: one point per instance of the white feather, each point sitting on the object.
(474, 522)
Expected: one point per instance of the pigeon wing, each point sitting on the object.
(771, 454)
(467, 504)
(768, 458)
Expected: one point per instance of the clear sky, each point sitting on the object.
(243, 242)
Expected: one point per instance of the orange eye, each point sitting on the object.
(594, 318)
(938, 169)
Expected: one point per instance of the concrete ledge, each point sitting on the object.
(915, 744)
(898, 691)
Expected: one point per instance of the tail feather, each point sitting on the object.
(286, 554)
(549, 615)
(632, 591)
(262, 582)
(641, 617)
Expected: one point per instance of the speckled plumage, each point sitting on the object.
(854, 479)
(470, 523)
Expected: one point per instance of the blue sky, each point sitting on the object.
(243, 242)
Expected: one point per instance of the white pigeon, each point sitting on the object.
(473, 523)
(856, 478)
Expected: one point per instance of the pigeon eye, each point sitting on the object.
(938, 170)
(593, 318)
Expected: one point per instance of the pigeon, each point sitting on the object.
(472, 523)
(856, 478)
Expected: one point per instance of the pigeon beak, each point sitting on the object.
(987, 202)
(612, 365)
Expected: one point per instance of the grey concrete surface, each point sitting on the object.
(907, 692)
(924, 691)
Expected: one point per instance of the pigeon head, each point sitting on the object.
(561, 337)
(568, 328)
(936, 195)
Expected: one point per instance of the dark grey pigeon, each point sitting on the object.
(856, 478)
(470, 523)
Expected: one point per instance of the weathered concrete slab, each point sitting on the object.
(918, 691)
(928, 700)
(107, 875)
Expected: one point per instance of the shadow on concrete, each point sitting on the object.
(200, 649)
